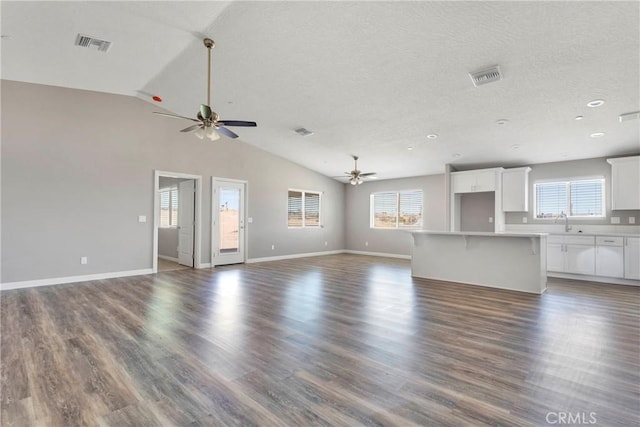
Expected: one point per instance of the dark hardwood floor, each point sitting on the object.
(332, 340)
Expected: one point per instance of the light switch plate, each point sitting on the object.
(615, 220)
(142, 218)
(250, 220)
(524, 220)
(632, 220)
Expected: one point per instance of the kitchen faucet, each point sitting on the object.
(567, 227)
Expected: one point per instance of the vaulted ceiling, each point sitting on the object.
(367, 78)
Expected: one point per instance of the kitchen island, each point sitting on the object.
(514, 261)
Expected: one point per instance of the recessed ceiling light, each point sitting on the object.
(502, 122)
(515, 146)
(409, 148)
(578, 118)
(597, 135)
(595, 103)
(432, 136)
(455, 155)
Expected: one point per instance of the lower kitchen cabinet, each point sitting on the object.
(632, 258)
(610, 256)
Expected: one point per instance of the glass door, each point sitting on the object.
(228, 222)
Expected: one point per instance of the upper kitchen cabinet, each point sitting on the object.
(475, 181)
(515, 189)
(625, 183)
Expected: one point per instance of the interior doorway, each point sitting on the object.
(228, 237)
(177, 221)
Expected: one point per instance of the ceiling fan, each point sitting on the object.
(356, 177)
(208, 121)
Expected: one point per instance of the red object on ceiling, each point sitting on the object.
(157, 98)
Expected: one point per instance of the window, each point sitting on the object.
(169, 207)
(575, 198)
(401, 209)
(303, 209)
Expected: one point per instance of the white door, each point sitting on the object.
(186, 223)
(228, 222)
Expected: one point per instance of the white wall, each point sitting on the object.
(391, 241)
(78, 169)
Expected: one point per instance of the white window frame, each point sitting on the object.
(567, 182)
(304, 216)
(168, 190)
(398, 226)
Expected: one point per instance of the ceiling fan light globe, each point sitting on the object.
(360, 180)
(212, 134)
(200, 133)
(353, 181)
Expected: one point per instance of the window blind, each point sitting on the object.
(304, 208)
(294, 218)
(575, 198)
(169, 207)
(311, 209)
(397, 209)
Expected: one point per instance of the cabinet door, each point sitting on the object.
(632, 258)
(463, 182)
(610, 261)
(555, 257)
(485, 181)
(514, 191)
(580, 259)
(625, 175)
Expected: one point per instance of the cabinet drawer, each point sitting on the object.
(579, 240)
(609, 241)
(551, 239)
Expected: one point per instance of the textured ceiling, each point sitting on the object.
(368, 78)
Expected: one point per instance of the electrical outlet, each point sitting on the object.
(326, 243)
(615, 220)
(524, 220)
(366, 243)
(83, 260)
(632, 220)
(490, 220)
(273, 247)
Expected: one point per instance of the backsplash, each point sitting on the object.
(575, 228)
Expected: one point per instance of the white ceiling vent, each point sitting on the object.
(92, 43)
(483, 77)
(303, 132)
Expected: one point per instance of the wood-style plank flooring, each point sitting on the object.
(335, 340)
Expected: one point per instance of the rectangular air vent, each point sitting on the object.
(629, 116)
(483, 77)
(92, 43)
(303, 132)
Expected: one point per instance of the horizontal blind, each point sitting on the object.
(551, 199)
(586, 197)
(165, 201)
(311, 209)
(294, 216)
(173, 221)
(385, 210)
(410, 209)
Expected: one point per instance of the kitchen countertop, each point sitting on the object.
(482, 233)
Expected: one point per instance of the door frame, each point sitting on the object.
(197, 214)
(214, 214)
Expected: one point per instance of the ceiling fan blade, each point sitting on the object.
(227, 132)
(238, 123)
(368, 174)
(205, 111)
(190, 128)
(175, 116)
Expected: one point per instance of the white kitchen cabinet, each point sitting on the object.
(632, 258)
(475, 181)
(609, 256)
(625, 183)
(571, 254)
(515, 189)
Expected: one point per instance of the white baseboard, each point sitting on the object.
(598, 279)
(204, 265)
(292, 256)
(382, 254)
(168, 258)
(72, 279)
